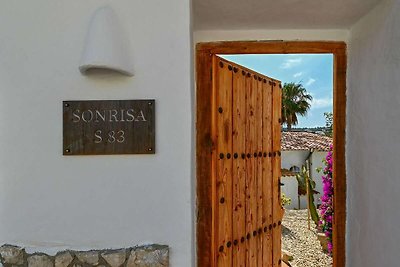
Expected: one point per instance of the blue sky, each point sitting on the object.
(314, 71)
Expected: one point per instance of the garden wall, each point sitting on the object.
(297, 158)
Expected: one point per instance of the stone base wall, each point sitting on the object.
(143, 256)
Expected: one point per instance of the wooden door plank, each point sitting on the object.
(239, 167)
(251, 201)
(205, 158)
(257, 85)
(276, 201)
(223, 82)
(267, 173)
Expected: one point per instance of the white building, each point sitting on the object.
(50, 202)
(296, 148)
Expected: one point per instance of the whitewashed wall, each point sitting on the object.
(289, 159)
(293, 158)
(297, 158)
(373, 143)
(316, 162)
(48, 201)
(279, 34)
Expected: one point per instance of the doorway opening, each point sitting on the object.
(207, 248)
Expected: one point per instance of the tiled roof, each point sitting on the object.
(305, 141)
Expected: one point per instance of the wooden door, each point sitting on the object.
(246, 129)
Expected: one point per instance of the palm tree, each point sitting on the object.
(295, 101)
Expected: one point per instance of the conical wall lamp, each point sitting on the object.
(106, 46)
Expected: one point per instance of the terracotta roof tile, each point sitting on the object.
(305, 141)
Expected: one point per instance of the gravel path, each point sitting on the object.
(301, 242)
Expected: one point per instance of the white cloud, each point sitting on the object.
(321, 102)
(310, 81)
(291, 62)
(297, 74)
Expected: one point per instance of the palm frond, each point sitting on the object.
(295, 101)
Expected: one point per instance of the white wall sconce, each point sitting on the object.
(106, 48)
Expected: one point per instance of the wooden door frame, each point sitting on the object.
(205, 145)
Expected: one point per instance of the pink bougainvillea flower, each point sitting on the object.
(326, 208)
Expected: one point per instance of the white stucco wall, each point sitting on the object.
(289, 159)
(50, 201)
(297, 158)
(316, 162)
(260, 34)
(373, 139)
(293, 158)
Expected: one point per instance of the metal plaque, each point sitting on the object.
(105, 127)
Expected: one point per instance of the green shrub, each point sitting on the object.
(285, 200)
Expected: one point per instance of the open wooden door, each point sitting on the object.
(246, 132)
(208, 236)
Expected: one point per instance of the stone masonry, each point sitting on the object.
(142, 256)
